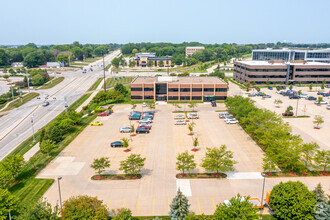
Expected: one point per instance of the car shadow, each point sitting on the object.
(146, 172)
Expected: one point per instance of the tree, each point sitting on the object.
(322, 159)
(99, 164)
(238, 208)
(192, 105)
(13, 164)
(5, 177)
(66, 124)
(248, 85)
(176, 105)
(121, 214)
(318, 120)
(277, 102)
(185, 162)
(191, 127)
(195, 142)
(47, 146)
(310, 87)
(179, 206)
(132, 63)
(307, 153)
(288, 109)
(218, 159)
(12, 72)
(116, 62)
(323, 84)
(125, 142)
(268, 82)
(319, 99)
(132, 165)
(268, 165)
(134, 51)
(322, 206)
(74, 116)
(6, 77)
(40, 211)
(151, 105)
(121, 88)
(84, 207)
(77, 53)
(161, 63)
(37, 80)
(150, 63)
(63, 58)
(32, 59)
(292, 200)
(291, 87)
(8, 202)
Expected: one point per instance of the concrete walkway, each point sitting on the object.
(91, 97)
(31, 152)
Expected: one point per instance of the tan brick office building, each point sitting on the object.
(281, 72)
(191, 50)
(142, 60)
(178, 89)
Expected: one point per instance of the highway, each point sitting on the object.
(16, 126)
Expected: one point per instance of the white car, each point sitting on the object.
(125, 129)
(180, 122)
(146, 120)
(321, 102)
(179, 117)
(224, 115)
(144, 125)
(144, 104)
(328, 107)
(192, 116)
(232, 121)
(303, 95)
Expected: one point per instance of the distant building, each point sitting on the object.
(17, 64)
(54, 64)
(142, 60)
(289, 55)
(169, 88)
(278, 71)
(191, 50)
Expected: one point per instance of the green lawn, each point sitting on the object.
(80, 101)
(17, 103)
(111, 82)
(52, 83)
(95, 84)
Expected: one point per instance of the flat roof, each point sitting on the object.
(291, 50)
(188, 79)
(196, 47)
(266, 63)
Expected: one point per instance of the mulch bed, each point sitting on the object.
(191, 134)
(133, 135)
(48, 157)
(294, 174)
(200, 175)
(127, 150)
(116, 177)
(194, 150)
(316, 127)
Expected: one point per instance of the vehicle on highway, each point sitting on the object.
(321, 102)
(96, 123)
(232, 121)
(146, 120)
(179, 117)
(328, 107)
(46, 103)
(266, 96)
(180, 122)
(116, 144)
(46, 95)
(105, 113)
(294, 97)
(213, 104)
(140, 130)
(310, 98)
(192, 116)
(223, 115)
(84, 71)
(144, 104)
(287, 114)
(125, 129)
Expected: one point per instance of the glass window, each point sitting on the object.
(208, 89)
(173, 98)
(184, 97)
(221, 89)
(196, 97)
(136, 97)
(196, 89)
(173, 89)
(184, 89)
(148, 89)
(149, 97)
(136, 89)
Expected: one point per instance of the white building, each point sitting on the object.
(191, 50)
(17, 64)
(54, 64)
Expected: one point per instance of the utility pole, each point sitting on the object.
(28, 81)
(12, 91)
(262, 197)
(65, 104)
(69, 60)
(20, 94)
(34, 139)
(297, 108)
(59, 189)
(104, 74)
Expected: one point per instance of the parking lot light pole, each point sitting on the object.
(59, 190)
(34, 139)
(104, 74)
(262, 195)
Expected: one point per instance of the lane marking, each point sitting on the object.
(199, 207)
(168, 201)
(109, 204)
(124, 203)
(137, 212)
(153, 207)
(214, 204)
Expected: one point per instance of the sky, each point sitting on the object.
(176, 21)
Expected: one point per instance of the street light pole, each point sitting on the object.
(59, 189)
(297, 108)
(12, 91)
(34, 139)
(20, 94)
(262, 196)
(104, 74)
(65, 104)
(28, 81)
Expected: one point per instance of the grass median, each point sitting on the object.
(95, 84)
(17, 103)
(52, 83)
(111, 82)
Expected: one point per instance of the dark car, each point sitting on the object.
(134, 117)
(266, 96)
(320, 93)
(294, 97)
(287, 114)
(283, 87)
(311, 98)
(116, 144)
(259, 94)
(270, 88)
(327, 86)
(282, 93)
(326, 94)
(105, 113)
(213, 104)
(140, 130)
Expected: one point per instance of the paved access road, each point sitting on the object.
(16, 126)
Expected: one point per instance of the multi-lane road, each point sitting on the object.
(16, 126)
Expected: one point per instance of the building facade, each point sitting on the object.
(178, 89)
(191, 50)
(17, 64)
(150, 60)
(54, 64)
(289, 55)
(281, 72)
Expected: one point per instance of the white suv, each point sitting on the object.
(192, 116)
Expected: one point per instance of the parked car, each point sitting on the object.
(213, 104)
(144, 104)
(96, 123)
(142, 130)
(147, 125)
(283, 87)
(270, 88)
(192, 116)
(105, 113)
(232, 121)
(259, 94)
(148, 116)
(320, 93)
(287, 114)
(46, 103)
(125, 129)
(282, 93)
(327, 86)
(266, 96)
(321, 102)
(180, 122)
(328, 107)
(46, 95)
(223, 115)
(179, 117)
(294, 97)
(326, 94)
(134, 117)
(303, 95)
(146, 120)
(116, 144)
(311, 98)
(252, 94)
(149, 113)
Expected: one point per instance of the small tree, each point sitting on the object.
(161, 63)
(268, 82)
(322, 159)
(248, 86)
(150, 63)
(6, 77)
(132, 63)
(238, 208)
(13, 164)
(288, 109)
(195, 142)
(268, 165)
(318, 120)
(218, 159)
(322, 206)
(179, 206)
(176, 105)
(323, 84)
(132, 165)
(319, 99)
(191, 127)
(8, 202)
(47, 146)
(41, 210)
(185, 162)
(311, 87)
(125, 142)
(277, 102)
(307, 153)
(278, 88)
(192, 105)
(121, 214)
(291, 87)
(151, 105)
(99, 164)
(292, 200)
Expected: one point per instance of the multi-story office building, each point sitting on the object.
(281, 72)
(191, 50)
(289, 55)
(142, 60)
(178, 89)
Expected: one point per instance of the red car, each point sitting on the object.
(145, 127)
(289, 114)
(105, 113)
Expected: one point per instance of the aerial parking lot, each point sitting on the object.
(152, 194)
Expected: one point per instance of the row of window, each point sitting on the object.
(175, 98)
(312, 76)
(267, 76)
(314, 70)
(263, 70)
(183, 89)
(140, 89)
